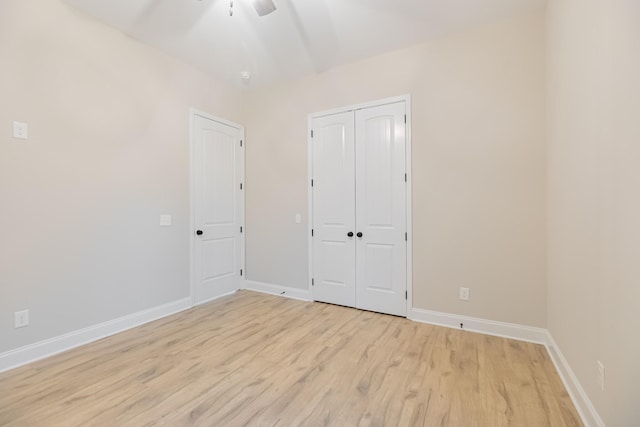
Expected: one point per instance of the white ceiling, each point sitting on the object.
(301, 37)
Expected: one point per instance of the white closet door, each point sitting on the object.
(381, 252)
(334, 209)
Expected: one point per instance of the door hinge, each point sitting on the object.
(405, 118)
(311, 133)
(406, 237)
(406, 295)
(240, 143)
(241, 229)
(313, 282)
(241, 186)
(312, 183)
(312, 232)
(405, 177)
(241, 272)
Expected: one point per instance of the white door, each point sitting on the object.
(359, 209)
(381, 251)
(218, 203)
(334, 209)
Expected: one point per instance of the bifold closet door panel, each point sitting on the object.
(381, 252)
(334, 209)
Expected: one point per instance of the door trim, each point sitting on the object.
(407, 100)
(193, 113)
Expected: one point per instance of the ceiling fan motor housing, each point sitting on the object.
(264, 7)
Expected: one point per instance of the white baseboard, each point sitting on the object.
(581, 401)
(217, 297)
(483, 326)
(283, 291)
(30, 353)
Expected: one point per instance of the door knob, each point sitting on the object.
(359, 234)
(350, 234)
(199, 232)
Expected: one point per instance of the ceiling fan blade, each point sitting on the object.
(264, 7)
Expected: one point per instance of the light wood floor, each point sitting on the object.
(258, 360)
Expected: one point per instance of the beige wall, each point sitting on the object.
(107, 154)
(594, 203)
(478, 167)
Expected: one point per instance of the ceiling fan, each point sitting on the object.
(262, 7)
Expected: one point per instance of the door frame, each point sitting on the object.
(193, 113)
(407, 100)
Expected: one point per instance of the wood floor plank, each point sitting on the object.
(257, 360)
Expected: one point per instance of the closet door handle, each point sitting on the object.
(199, 232)
(350, 234)
(359, 234)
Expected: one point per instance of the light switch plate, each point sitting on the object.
(21, 319)
(20, 130)
(165, 220)
(298, 218)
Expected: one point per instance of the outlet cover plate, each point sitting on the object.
(600, 375)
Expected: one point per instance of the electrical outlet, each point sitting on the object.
(21, 319)
(464, 294)
(600, 375)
